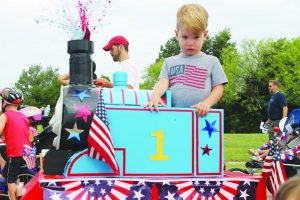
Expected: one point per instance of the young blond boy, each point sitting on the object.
(194, 78)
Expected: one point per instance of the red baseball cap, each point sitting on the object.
(119, 39)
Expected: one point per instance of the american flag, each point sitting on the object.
(97, 189)
(193, 76)
(273, 169)
(30, 158)
(99, 140)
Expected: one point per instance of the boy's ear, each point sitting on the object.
(205, 34)
(176, 34)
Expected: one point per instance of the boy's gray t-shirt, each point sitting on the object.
(192, 78)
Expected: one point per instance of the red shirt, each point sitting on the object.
(16, 133)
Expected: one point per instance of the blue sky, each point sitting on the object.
(147, 24)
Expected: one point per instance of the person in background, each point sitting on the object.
(118, 48)
(277, 107)
(194, 78)
(15, 128)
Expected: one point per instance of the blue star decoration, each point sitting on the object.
(81, 95)
(210, 127)
(206, 150)
(74, 132)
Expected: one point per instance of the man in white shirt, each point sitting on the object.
(118, 47)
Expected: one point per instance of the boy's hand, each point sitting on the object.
(202, 108)
(154, 102)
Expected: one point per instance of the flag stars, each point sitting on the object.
(244, 194)
(201, 190)
(97, 182)
(91, 190)
(138, 194)
(110, 183)
(170, 196)
(212, 191)
(55, 196)
(102, 191)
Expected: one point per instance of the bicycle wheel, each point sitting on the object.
(239, 170)
(23, 179)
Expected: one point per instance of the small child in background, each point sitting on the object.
(32, 129)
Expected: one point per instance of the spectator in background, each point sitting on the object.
(277, 107)
(118, 47)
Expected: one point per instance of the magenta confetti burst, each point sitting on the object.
(79, 18)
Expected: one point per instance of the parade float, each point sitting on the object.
(170, 154)
(108, 146)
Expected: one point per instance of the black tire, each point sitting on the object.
(25, 178)
(239, 170)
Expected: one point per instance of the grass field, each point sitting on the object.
(236, 148)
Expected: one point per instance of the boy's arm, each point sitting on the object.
(3, 120)
(159, 90)
(284, 111)
(203, 107)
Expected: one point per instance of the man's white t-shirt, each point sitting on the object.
(132, 73)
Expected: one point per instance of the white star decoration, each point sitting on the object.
(97, 182)
(206, 183)
(138, 194)
(141, 183)
(201, 190)
(165, 183)
(170, 196)
(212, 190)
(51, 182)
(55, 196)
(109, 183)
(244, 194)
(91, 190)
(218, 183)
(102, 191)
(196, 183)
(247, 182)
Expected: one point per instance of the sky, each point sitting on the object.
(147, 24)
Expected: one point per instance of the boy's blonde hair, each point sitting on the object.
(193, 17)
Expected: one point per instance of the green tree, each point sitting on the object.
(246, 95)
(40, 86)
(171, 48)
(216, 44)
(151, 75)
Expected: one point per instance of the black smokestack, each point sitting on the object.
(81, 71)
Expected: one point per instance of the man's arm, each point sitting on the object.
(284, 111)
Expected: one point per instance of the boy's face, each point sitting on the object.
(190, 43)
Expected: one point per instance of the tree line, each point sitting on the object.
(248, 67)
